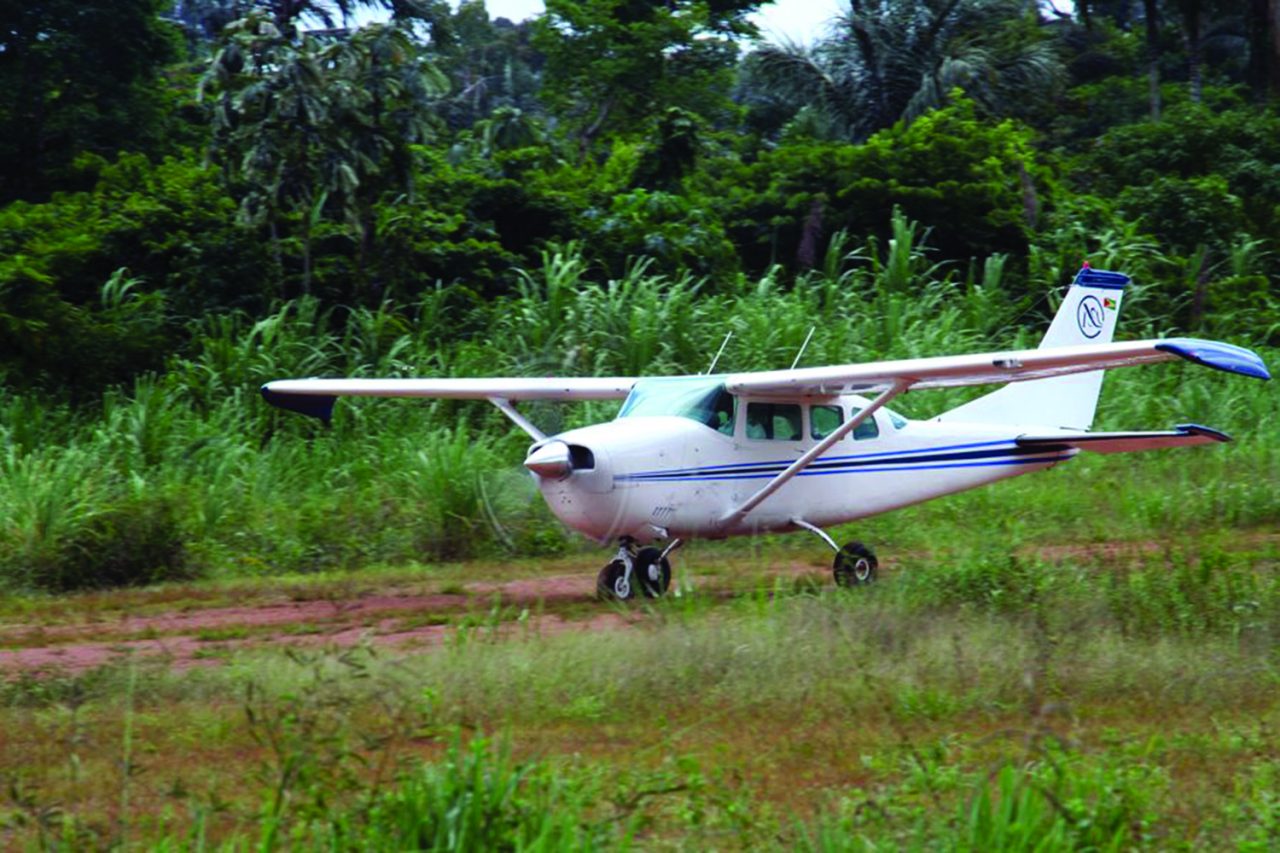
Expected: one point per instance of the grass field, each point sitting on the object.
(1100, 696)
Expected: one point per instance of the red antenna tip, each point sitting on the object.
(1085, 265)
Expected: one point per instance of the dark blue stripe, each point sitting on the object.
(864, 470)
(781, 464)
(824, 463)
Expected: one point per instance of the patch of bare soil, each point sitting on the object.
(529, 606)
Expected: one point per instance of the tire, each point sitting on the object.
(855, 565)
(653, 571)
(612, 585)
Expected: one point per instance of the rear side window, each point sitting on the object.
(778, 421)
(824, 420)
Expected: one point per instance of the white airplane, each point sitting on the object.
(711, 456)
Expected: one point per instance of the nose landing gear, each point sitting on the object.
(636, 571)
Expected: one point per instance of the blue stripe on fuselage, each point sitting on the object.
(780, 464)
(941, 461)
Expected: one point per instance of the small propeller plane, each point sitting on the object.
(712, 456)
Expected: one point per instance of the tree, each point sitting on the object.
(309, 129)
(613, 64)
(78, 76)
(896, 59)
(491, 64)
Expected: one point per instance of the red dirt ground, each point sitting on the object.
(186, 637)
(183, 639)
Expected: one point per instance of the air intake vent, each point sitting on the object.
(581, 458)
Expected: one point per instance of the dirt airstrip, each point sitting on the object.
(193, 632)
(203, 624)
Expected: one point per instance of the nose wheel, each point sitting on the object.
(635, 572)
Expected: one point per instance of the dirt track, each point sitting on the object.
(187, 636)
(201, 625)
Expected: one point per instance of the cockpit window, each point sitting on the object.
(896, 419)
(696, 398)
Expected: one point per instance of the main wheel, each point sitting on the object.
(654, 572)
(612, 583)
(855, 565)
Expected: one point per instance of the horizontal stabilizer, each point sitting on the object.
(1184, 435)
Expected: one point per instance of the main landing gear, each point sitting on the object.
(855, 564)
(636, 571)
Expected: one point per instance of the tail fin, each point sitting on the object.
(1087, 316)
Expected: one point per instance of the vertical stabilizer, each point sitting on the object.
(1087, 316)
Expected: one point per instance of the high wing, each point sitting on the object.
(994, 367)
(316, 397)
(1183, 435)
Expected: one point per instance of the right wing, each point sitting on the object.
(993, 367)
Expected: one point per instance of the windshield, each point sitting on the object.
(696, 398)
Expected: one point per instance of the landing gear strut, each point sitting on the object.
(636, 571)
(855, 564)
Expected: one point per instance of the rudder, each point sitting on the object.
(1087, 315)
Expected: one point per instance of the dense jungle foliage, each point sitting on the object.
(196, 197)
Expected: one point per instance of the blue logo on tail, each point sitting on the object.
(1089, 317)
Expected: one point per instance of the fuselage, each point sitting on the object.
(653, 475)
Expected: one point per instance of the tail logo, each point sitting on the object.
(1089, 317)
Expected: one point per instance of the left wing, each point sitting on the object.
(316, 397)
(994, 367)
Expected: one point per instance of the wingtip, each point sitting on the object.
(313, 405)
(1207, 432)
(1220, 356)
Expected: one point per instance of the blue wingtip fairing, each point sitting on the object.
(1220, 356)
(1200, 429)
(314, 405)
(1089, 277)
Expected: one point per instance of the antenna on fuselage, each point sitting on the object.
(803, 346)
(723, 344)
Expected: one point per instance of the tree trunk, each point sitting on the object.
(1195, 65)
(1151, 11)
(810, 234)
(1030, 201)
(1258, 33)
(1273, 54)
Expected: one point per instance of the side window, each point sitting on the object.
(824, 420)
(779, 421)
(867, 429)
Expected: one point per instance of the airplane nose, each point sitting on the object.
(552, 460)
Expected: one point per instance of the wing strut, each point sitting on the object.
(899, 385)
(504, 405)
